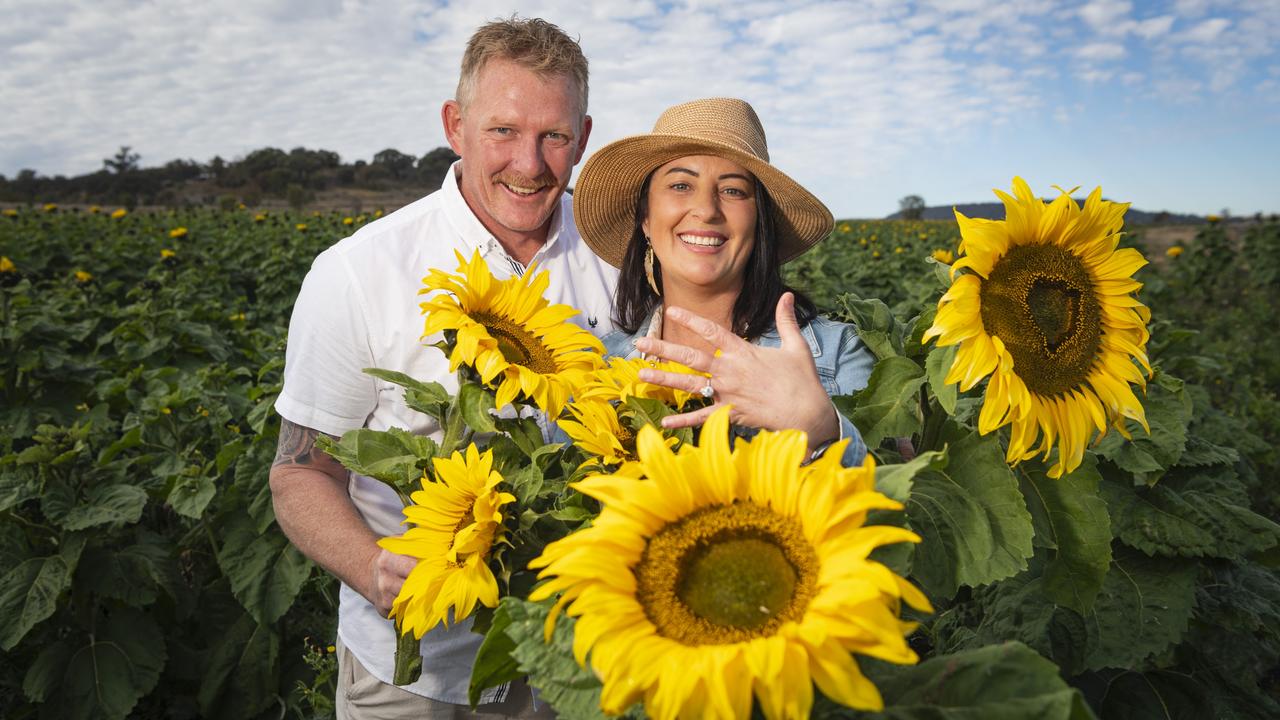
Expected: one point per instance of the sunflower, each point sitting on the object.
(457, 519)
(509, 334)
(595, 427)
(1047, 309)
(711, 575)
(621, 380)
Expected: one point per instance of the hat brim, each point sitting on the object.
(604, 198)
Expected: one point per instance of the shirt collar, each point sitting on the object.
(473, 232)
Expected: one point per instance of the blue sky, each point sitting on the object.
(1170, 105)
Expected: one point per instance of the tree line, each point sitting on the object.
(294, 176)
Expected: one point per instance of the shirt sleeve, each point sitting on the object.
(325, 387)
(854, 363)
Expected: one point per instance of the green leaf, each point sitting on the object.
(111, 669)
(228, 454)
(936, 366)
(1142, 610)
(1071, 519)
(889, 406)
(494, 664)
(574, 692)
(1155, 696)
(132, 575)
(1147, 456)
(191, 495)
(997, 682)
(102, 505)
(895, 481)
(1017, 609)
(1163, 520)
(29, 594)
(973, 521)
(429, 398)
(396, 457)
(45, 674)
(877, 327)
(17, 487)
(477, 405)
(240, 678)
(130, 439)
(266, 571)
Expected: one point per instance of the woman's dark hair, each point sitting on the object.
(762, 284)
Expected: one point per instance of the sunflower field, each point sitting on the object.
(1085, 532)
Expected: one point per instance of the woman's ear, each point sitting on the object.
(644, 226)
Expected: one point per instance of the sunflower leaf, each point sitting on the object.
(573, 691)
(476, 403)
(109, 671)
(1164, 520)
(429, 398)
(29, 594)
(889, 406)
(997, 682)
(1142, 609)
(239, 676)
(1148, 456)
(877, 326)
(1071, 519)
(396, 457)
(936, 366)
(265, 570)
(973, 520)
(494, 664)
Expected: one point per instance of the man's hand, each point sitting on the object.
(390, 570)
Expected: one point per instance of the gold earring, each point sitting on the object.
(648, 270)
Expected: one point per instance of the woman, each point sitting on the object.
(698, 220)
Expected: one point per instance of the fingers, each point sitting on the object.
(784, 317)
(690, 419)
(390, 571)
(679, 381)
(707, 329)
(675, 352)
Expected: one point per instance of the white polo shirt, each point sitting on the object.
(358, 308)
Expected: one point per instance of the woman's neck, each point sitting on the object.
(717, 307)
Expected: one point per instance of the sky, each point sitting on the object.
(1170, 104)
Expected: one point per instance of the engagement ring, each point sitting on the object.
(707, 391)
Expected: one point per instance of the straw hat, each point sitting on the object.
(604, 198)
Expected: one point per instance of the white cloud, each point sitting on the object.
(1206, 32)
(1100, 51)
(1153, 28)
(1109, 17)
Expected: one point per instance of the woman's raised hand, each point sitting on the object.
(769, 388)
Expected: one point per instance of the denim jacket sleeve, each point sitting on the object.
(848, 362)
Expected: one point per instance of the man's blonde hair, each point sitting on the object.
(532, 43)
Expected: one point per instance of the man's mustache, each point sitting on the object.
(525, 183)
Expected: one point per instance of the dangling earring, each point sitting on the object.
(648, 269)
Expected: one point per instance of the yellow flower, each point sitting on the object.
(712, 575)
(924, 236)
(332, 648)
(166, 411)
(83, 276)
(178, 232)
(301, 227)
(875, 253)
(83, 407)
(260, 217)
(166, 253)
(621, 380)
(10, 212)
(862, 242)
(844, 227)
(455, 522)
(1047, 309)
(241, 206)
(118, 213)
(1210, 218)
(943, 256)
(348, 220)
(509, 334)
(236, 317)
(898, 250)
(1174, 251)
(377, 213)
(94, 209)
(50, 207)
(594, 427)
(6, 265)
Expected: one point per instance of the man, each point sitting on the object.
(519, 124)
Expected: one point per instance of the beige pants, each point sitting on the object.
(362, 696)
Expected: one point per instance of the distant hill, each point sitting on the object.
(995, 211)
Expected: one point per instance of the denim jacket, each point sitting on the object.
(844, 365)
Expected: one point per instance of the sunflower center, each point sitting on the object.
(726, 574)
(1040, 301)
(518, 345)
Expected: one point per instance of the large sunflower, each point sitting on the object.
(456, 521)
(711, 575)
(509, 334)
(1047, 309)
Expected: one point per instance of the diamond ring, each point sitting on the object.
(707, 391)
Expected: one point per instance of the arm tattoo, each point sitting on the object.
(297, 445)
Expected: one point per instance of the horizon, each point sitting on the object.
(1168, 105)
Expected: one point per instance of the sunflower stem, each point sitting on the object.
(408, 659)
